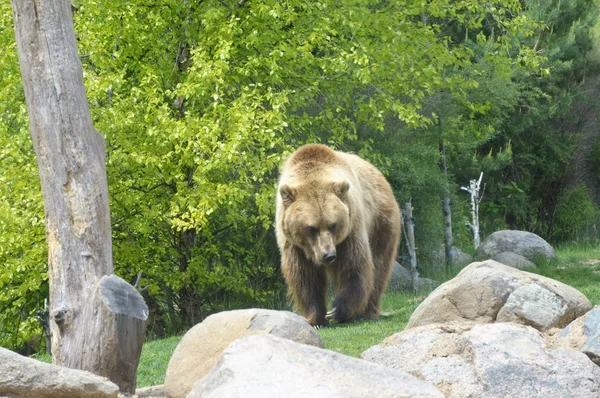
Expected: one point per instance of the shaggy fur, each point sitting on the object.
(337, 219)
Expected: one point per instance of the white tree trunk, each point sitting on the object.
(473, 190)
(71, 161)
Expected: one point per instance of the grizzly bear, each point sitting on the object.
(336, 219)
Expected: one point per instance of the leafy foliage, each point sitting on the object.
(200, 101)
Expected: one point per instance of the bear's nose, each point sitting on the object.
(329, 257)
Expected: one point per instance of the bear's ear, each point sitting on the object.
(288, 195)
(341, 189)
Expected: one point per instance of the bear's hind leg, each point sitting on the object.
(384, 246)
(307, 284)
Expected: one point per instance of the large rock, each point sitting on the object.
(202, 345)
(25, 377)
(513, 260)
(268, 366)
(459, 258)
(526, 244)
(488, 291)
(488, 361)
(583, 334)
(401, 280)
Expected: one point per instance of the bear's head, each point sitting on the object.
(316, 218)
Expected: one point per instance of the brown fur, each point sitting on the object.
(335, 205)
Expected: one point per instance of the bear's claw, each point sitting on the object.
(331, 314)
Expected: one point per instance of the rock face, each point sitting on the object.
(25, 377)
(488, 361)
(583, 334)
(486, 292)
(268, 366)
(513, 260)
(526, 244)
(202, 345)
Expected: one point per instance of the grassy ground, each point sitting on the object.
(577, 266)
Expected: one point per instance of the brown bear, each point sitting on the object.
(336, 218)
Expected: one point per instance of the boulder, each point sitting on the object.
(202, 345)
(583, 334)
(26, 377)
(401, 280)
(151, 392)
(460, 259)
(268, 366)
(513, 260)
(526, 244)
(486, 292)
(488, 361)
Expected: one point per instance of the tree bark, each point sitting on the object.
(410, 242)
(473, 190)
(446, 209)
(71, 161)
(117, 307)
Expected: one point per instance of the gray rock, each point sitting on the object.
(488, 361)
(535, 305)
(25, 377)
(202, 346)
(268, 366)
(488, 291)
(401, 280)
(460, 259)
(583, 334)
(513, 260)
(151, 392)
(526, 244)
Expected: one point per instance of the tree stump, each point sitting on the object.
(116, 306)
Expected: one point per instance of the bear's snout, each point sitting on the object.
(328, 257)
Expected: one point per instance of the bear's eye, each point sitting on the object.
(333, 227)
(312, 231)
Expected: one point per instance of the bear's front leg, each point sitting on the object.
(353, 279)
(307, 284)
(351, 300)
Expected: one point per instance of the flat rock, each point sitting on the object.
(486, 292)
(526, 244)
(513, 260)
(202, 346)
(488, 361)
(583, 334)
(26, 377)
(268, 366)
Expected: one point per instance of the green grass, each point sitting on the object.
(353, 338)
(154, 360)
(577, 266)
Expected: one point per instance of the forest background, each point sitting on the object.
(201, 101)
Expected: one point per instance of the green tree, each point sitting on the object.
(201, 101)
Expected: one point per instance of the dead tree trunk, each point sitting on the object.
(473, 190)
(446, 209)
(410, 242)
(71, 161)
(123, 313)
